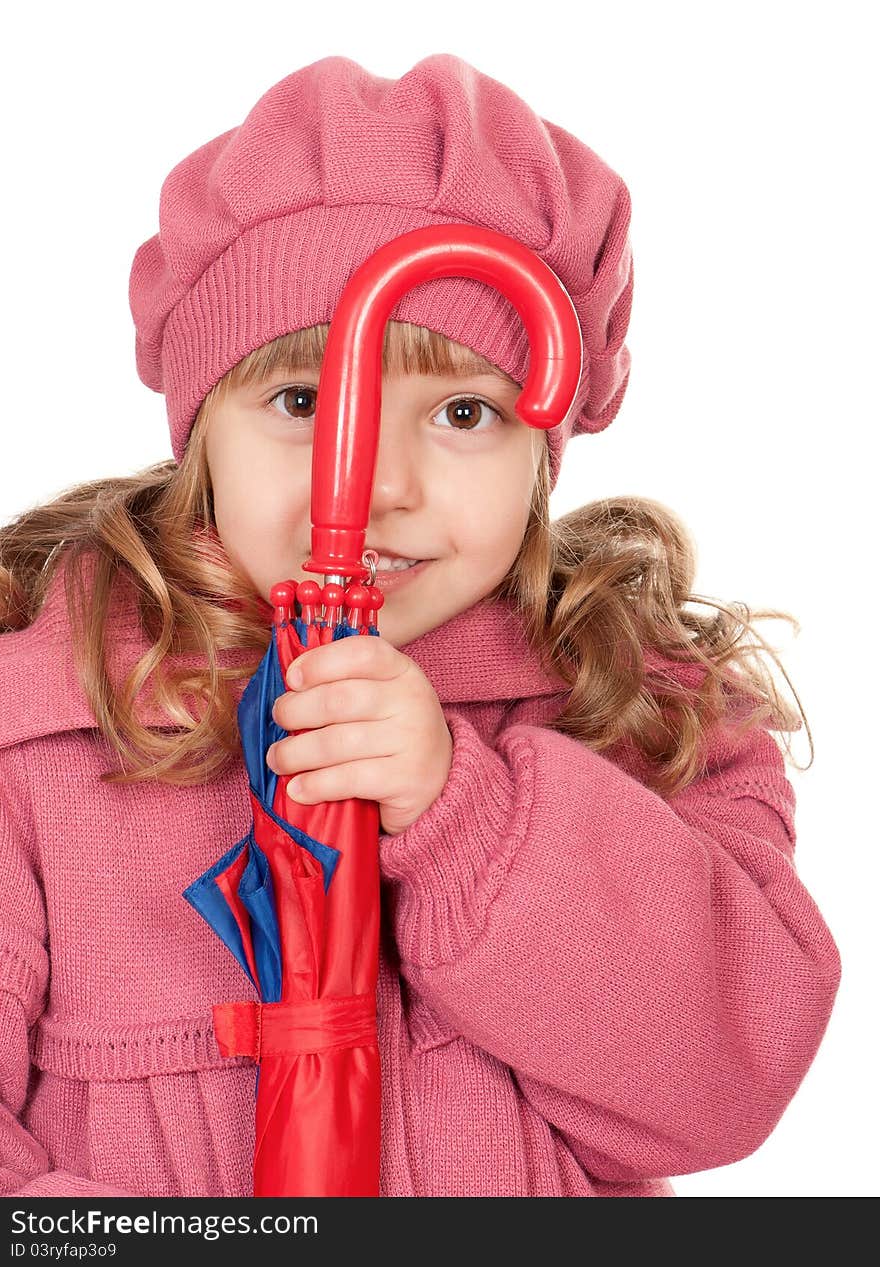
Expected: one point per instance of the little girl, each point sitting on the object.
(599, 967)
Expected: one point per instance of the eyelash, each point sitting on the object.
(452, 399)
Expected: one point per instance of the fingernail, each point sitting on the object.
(294, 676)
(293, 787)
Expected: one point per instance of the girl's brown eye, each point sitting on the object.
(465, 413)
(300, 400)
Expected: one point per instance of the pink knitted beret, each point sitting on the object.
(260, 229)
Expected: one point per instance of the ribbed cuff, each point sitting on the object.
(446, 868)
(102, 1050)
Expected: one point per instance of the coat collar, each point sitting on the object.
(479, 655)
(482, 655)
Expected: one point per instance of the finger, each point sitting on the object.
(357, 656)
(368, 780)
(350, 699)
(332, 745)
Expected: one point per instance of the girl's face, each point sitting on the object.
(455, 470)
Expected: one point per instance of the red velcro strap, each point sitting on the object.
(248, 1028)
(236, 1028)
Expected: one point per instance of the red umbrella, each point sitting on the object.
(297, 899)
(310, 947)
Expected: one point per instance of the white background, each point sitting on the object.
(744, 135)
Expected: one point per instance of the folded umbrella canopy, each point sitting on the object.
(297, 899)
(310, 950)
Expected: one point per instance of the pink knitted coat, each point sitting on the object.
(583, 988)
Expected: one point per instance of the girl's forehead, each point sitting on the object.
(472, 376)
(488, 379)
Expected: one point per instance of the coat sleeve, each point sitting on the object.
(25, 1168)
(653, 971)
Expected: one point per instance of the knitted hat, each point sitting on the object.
(261, 228)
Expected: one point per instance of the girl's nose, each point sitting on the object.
(398, 478)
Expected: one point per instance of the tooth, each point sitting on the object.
(387, 564)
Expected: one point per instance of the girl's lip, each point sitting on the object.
(393, 580)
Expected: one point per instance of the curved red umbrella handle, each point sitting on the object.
(349, 391)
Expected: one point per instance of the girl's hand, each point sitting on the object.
(374, 729)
